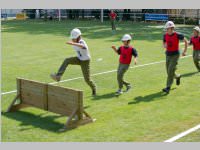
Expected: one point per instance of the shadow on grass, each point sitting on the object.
(38, 121)
(148, 98)
(105, 96)
(189, 74)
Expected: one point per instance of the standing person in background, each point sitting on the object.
(195, 41)
(113, 17)
(171, 44)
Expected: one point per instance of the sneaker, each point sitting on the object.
(178, 80)
(119, 92)
(166, 90)
(128, 87)
(55, 77)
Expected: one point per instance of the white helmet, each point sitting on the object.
(197, 29)
(126, 37)
(169, 24)
(75, 33)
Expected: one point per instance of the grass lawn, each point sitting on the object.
(193, 137)
(33, 50)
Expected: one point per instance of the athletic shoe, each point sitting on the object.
(128, 87)
(178, 80)
(55, 77)
(166, 90)
(119, 92)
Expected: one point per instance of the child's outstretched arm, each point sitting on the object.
(135, 60)
(135, 54)
(185, 48)
(114, 48)
(76, 44)
(164, 45)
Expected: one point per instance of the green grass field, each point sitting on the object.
(33, 50)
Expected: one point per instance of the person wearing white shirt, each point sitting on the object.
(83, 59)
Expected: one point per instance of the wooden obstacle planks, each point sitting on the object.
(63, 100)
(34, 93)
(60, 100)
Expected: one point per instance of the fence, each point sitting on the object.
(98, 15)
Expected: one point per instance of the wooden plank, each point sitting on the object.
(34, 100)
(86, 114)
(13, 102)
(34, 93)
(56, 86)
(80, 105)
(26, 84)
(33, 89)
(60, 107)
(64, 97)
(61, 90)
(45, 97)
(62, 100)
(19, 87)
(76, 123)
(31, 81)
(18, 106)
(69, 120)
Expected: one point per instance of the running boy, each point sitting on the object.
(195, 41)
(82, 59)
(125, 51)
(171, 43)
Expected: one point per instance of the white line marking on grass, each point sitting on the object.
(173, 139)
(5, 93)
(100, 73)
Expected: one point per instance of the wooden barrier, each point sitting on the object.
(60, 100)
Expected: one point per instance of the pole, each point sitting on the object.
(184, 15)
(59, 15)
(101, 15)
(198, 16)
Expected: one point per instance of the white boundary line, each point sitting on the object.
(100, 73)
(173, 139)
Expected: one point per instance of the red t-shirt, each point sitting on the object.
(113, 15)
(126, 54)
(195, 41)
(172, 42)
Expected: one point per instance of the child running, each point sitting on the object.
(171, 43)
(195, 41)
(125, 51)
(82, 59)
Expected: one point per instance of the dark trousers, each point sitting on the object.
(122, 68)
(196, 59)
(85, 67)
(113, 24)
(171, 67)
